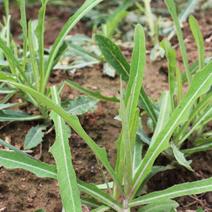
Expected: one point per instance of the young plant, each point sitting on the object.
(133, 167)
(194, 125)
(30, 65)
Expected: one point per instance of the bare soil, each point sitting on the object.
(22, 191)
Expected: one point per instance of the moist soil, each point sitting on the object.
(22, 191)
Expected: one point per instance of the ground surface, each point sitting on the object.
(22, 191)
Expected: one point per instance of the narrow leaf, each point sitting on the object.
(62, 155)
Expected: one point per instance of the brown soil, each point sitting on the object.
(22, 191)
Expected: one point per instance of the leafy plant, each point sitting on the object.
(194, 124)
(31, 65)
(133, 167)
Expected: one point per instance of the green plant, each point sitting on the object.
(30, 65)
(194, 125)
(133, 167)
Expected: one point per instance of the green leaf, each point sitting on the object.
(115, 58)
(173, 11)
(200, 148)
(65, 171)
(14, 160)
(81, 105)
(99, 195)
(199, 40)
(165, 111)
(8, 105)
(88, 92)
(184, 189)
(73, 121)
(159, 206)
(201, 83)
(172, 66)
(72, 21)
(11, 147)
(39, 32)
(11, 115)
(34, 137)
(179, 156)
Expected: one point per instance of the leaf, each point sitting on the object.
(173, 11)
(98, 194)
(72, 21)
(14, 160)
(11, 115)
(65, 171)
(88, 92)
(73, 121)
(115, 58)
(11, 147)
(34, 137)
(81, 105)
(183, 189)
(200, 148)
(159, 206)
(199, 40)
(8, 105)
(201, 83)
(179, 156)
(172, 66)
(165, 111)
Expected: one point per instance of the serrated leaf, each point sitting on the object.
(34, 137)
(65, 171)
(180, 157)
(81, 105)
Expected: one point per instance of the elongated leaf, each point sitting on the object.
(200, 85)
(13, 148)
(165, 111)
(11, 115)
(160, 206)
(173, 11)
(73, 121)
(81, 105)
(40, 38)
(8, 105)
(184, 189)
(115, 58)
(65, 171)
(88, 92)
(172, 66)
(199, 40)
(99, 195)
(200, 148)
(14, 160)
(34, 137)
(72, 21)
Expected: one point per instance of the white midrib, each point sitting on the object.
(167, 134)
(30, 166)
(65, 159)
(174, 193)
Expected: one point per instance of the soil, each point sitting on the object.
(22, 191)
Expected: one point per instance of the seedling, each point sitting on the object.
(133, 167)
(194, 124)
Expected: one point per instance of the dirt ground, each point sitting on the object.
(22, 191)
